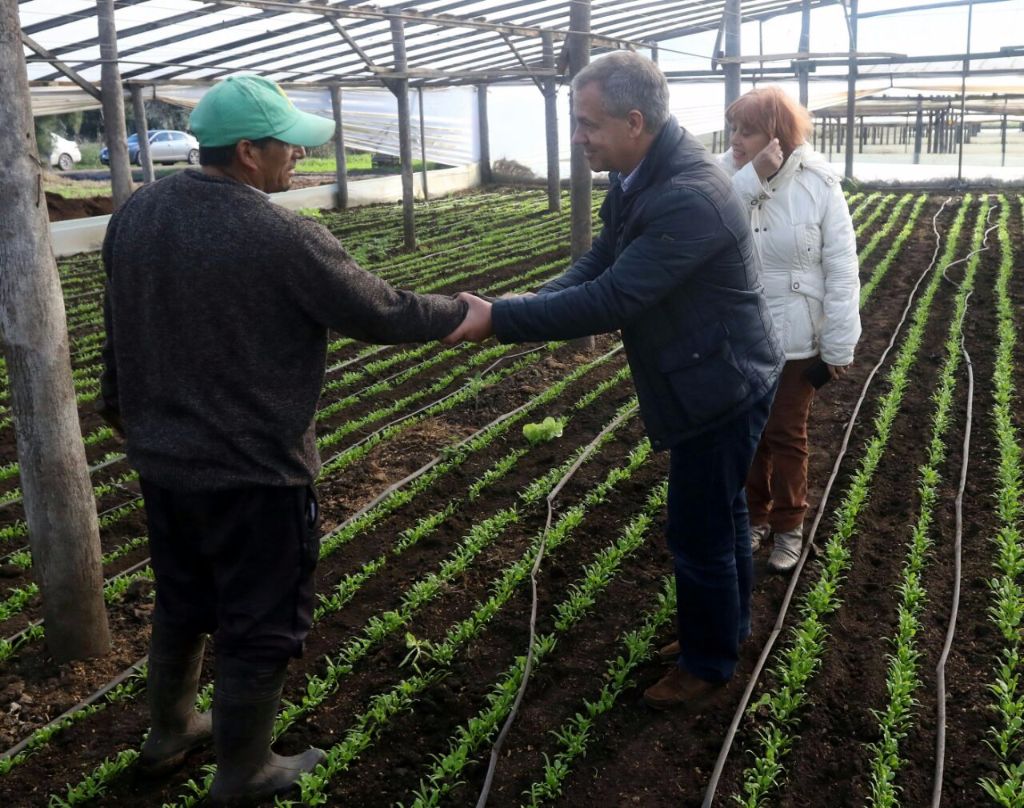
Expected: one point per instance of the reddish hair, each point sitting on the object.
(770, 111)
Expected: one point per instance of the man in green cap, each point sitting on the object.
(217, 310)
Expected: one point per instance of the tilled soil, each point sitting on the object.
(635, 756)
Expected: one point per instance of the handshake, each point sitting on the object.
(476, 325)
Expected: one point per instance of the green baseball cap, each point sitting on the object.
(252, 107)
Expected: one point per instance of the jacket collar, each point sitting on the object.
(662, 150)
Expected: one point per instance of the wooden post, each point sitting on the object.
(582, 183)
(1003, 136)
(400, 87)
(918, 127)
(803, 69)
(863, 135)
(851, 90)
(582, 178)
(114, 132)
(486, 175)
(142, 132)
(341, 163)
(731, 27)
(60, 511)
(551, 125)
(423, 147)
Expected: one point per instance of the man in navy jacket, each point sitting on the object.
(673, 268)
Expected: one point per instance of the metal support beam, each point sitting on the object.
(142, 132)
(39, 50)
(400, 87)
(341, 164)
(114, 131)
(963, 91)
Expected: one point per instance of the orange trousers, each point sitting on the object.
(777, 480)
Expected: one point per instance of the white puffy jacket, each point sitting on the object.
(804, 237)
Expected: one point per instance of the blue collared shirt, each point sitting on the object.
(628, 181)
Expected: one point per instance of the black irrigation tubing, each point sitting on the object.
(510, 720)
(100, 515)
(377, 432)
(366, 508)
(122, 574)
(88, 701)
(91, 470)
(940, 668)
(709, 793)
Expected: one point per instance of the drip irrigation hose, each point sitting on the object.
(709, 793)
(86, 702)
(369, 506)
(527, 668)
(123, 573)
(940, 668)
(377, 432)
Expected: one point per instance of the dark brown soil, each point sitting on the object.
(635, 756)
(61, 208)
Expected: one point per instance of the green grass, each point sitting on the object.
(354, 162)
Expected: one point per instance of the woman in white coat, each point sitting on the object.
(804, 237)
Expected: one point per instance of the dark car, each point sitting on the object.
(165, 146)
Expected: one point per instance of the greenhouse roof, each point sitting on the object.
(317, 41)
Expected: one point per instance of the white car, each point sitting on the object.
(63, 153)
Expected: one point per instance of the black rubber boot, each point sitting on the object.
(245, 701)
(175, 661)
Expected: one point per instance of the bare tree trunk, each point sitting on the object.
(59, 507)
(114, 131)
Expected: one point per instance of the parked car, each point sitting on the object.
(165, 146)
(63, 153)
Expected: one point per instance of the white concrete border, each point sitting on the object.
(86, 235)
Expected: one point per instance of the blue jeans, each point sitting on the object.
(708, 533)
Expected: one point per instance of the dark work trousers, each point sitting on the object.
(777, 483)
(237, 564)
(709, 535)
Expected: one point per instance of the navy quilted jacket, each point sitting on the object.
(673, 268)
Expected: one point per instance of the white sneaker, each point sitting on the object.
(758, 536)
(786, 551)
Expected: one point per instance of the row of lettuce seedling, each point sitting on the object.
(903, 678)
(803, 654)
(1006, 735)
(385, 706)
(477, 445)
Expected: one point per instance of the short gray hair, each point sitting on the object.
(628, 81)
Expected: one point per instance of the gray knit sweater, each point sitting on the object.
(217, 309)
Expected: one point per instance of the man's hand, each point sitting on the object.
(768, 161)
(476, 326)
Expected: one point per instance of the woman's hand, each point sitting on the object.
(837, 370)
(768, 161)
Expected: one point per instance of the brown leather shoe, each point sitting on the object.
(670, 651)
(679, 688)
